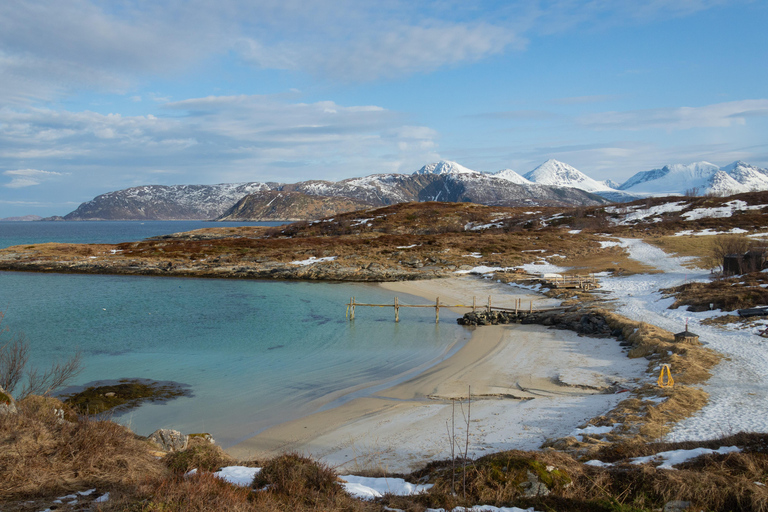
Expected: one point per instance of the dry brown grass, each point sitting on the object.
(201, 455)
(698, 247)
(643, 420)
(202, 492)
(42, 454)
(725, 294)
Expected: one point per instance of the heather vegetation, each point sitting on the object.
(45, 456)
(48, 448)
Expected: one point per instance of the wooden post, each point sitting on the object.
(530, 308)
(437, 310)
(517, 303)
(473, 304)
(397, 311)
(489, 304)
(352, 309)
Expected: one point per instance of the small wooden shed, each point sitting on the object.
(751, 261)
(687, 337)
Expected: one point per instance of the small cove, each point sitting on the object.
(254, 353)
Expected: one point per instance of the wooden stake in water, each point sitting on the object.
(397, 311)
(437, 310)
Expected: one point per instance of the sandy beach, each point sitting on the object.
(528, 383)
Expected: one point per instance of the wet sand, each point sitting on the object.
(528, 383)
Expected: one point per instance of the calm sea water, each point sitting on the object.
(101, 232)
(255, 353)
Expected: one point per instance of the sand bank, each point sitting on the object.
(528, 384)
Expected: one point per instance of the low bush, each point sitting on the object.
(201, 455)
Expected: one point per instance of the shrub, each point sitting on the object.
(201, 454)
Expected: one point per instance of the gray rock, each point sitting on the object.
(169, 440)
(677, 506)
(534, 487)
(7, 403)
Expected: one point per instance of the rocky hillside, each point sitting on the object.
(269, 205)
(314, 199)
(159, 202)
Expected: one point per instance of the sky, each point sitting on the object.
(97, 96)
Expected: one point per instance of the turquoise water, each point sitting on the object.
(101, 232)
(255, 353)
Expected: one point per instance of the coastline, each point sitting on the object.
(527, 383)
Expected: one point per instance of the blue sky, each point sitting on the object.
(98, 96)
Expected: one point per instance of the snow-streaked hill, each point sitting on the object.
(444, 167)
(700, 177)
(552, 183)
(160, 202)
(559, 174)
(512, 176)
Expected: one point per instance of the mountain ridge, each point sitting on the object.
(553, 183)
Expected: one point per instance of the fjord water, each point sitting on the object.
(101, 232)
(255, 353)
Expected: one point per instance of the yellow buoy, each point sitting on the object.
(669, 382)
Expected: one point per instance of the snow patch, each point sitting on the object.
(313, 260)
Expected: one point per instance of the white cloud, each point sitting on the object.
(53, 47)
(216, 139)
(679, 118)
(375, 53)
(21, 178)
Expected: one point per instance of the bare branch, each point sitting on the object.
(14, 356)
(57, 376)
(14, 359)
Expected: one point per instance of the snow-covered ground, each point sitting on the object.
(738, 388)
(361, 487)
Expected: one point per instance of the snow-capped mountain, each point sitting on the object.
(160, 202)
(559, 174)
(444, 167)
(511, 176)
(552, 183)
(440, 181)
(700, 177)
(553, 172)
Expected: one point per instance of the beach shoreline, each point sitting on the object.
(528, 384)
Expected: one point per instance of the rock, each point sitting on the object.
(677, 506)
(169, 440)
(534, 487)
(7, 403)
(204, 436)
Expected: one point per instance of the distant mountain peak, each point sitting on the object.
(701, 177)
(511, 176)
(556, 173)
(445, 167)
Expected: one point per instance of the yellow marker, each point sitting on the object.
(669, 381)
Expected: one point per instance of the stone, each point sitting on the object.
(677, 506)
(169, 440)
(7, 403)
(534, 487)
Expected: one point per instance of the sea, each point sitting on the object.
(251, 353)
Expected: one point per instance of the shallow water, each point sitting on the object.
(255, 353)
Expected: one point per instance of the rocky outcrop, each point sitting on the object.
(273, 205)
(323, 271)
(7, 403)
(590, 324)
(169, 440)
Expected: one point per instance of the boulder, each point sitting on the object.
(169, 440)
(677, 506)
(7, 403)
(534, 487)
